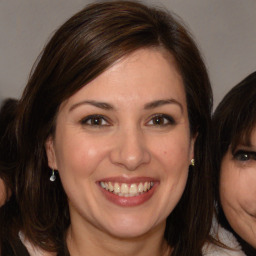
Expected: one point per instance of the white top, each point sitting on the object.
(33, 250)
(227, 239)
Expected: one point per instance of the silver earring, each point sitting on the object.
(193, 162)
(53, 177)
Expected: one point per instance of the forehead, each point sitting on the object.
(143, 75)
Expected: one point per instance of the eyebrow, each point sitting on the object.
(107, 106)
(159, 103)
(102, 105)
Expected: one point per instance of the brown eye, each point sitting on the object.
(94, 120)
(243, 156)
(161, 120)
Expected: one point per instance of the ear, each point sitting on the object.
(50, 152)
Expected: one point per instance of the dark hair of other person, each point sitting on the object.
(79, 51)
(234, 120)
(9, 213)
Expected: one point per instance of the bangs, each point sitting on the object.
(242, 135)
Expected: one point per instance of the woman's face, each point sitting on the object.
(122, 146)
(238, 190)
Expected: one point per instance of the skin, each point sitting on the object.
(2, 193)
(128, 143)
(238, 190)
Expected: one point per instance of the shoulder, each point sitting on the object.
(226, 238)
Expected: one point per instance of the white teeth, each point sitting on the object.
(145, 186)
(127, 190)
(124, 188)
(133, 189)
(102, 184)
(140, 188)
(110, 187)
(116, 188)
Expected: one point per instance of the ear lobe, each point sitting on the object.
(50, 152)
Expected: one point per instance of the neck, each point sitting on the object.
(91, 241)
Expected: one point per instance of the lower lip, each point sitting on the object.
(129, 201)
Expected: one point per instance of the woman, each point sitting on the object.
(234, 123)
(110, 129)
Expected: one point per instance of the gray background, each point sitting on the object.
(225, 31)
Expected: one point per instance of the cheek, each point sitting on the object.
(237, 190)
(228, 181)
(173, 156)
(172, 151)
(78, 156)
(247, 192)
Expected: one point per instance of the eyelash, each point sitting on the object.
(157, 119)
(91, 118)
(243, 155)
(166, 120)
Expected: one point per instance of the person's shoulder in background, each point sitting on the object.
(227, 239)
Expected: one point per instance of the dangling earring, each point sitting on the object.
(53, 177)
(193, 162)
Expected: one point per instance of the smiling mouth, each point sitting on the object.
(127, 190)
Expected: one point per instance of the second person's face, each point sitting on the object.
(123, 147)
(238, 189)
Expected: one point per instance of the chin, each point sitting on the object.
(130, 228)
(130, 233)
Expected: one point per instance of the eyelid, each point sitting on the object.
(240, 152)
(169, 118)
(84, 120)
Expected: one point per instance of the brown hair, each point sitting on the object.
(9, 212)
(7, 143)
(81, 49)
(233, 122)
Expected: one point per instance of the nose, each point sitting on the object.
(130, 150)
